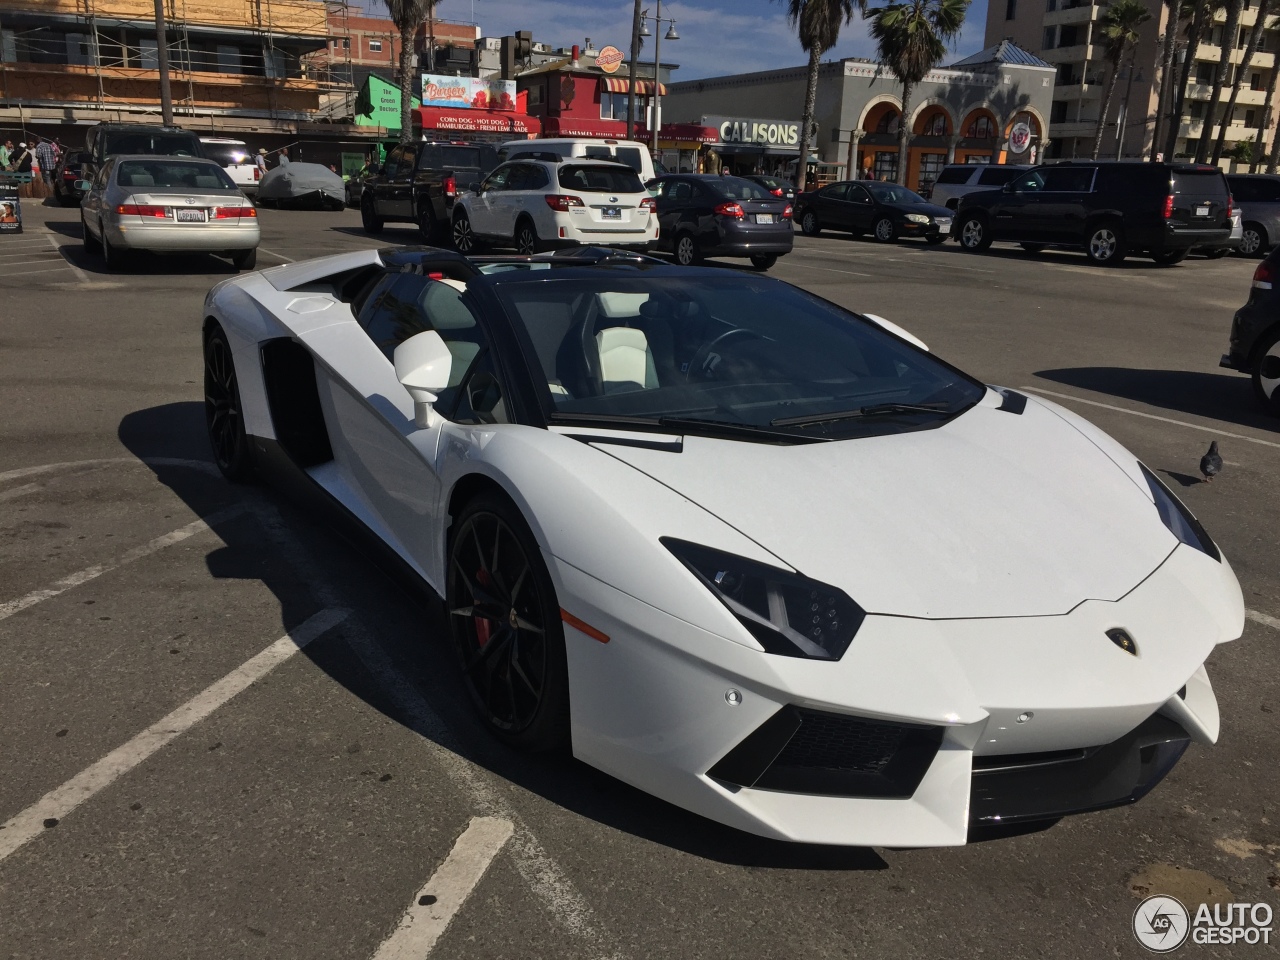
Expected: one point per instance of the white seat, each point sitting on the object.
(626, 363)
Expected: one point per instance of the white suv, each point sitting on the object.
(540, 204)
(233, 157)
(959, 179)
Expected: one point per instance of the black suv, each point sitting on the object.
(1254, 346)
(419, 183)
(108, 139)
(1111, 209)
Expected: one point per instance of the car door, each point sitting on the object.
(1013, 212)
(833, 207)
(484, 208)
(673, 200)
(513, 195)
(862, 208)
(380, 186)
(1057, 213)
(400, 183)
(93, 200)
(380, 454)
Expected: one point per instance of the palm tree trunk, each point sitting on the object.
(406, 81)
(904, 132)
(1184, 77)
(1255, 38)
(1106, 107)
(631, 71)
(1275, 153)
(806, 119)
(1166, 81)
(1259, 150)
(1228, 46)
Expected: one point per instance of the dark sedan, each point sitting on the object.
(885, 210)
(65, 175)
(701, 215)
(775, 185)
(1254, 346)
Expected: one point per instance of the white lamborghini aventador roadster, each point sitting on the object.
(764, 558)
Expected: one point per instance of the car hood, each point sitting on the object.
(994, 514)
(929, 209)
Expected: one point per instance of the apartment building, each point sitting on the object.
(1068, 34)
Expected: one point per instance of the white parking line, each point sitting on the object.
(55, 258)
(1152, 416)
(15, 492)
(1264, 619)
(278, 256)
(80, 274)
(811, 266)
(436, 903)
(57, 803)
(9, 608)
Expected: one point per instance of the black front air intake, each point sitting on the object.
(809, 751)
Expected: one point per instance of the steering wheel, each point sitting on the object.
(704, 352)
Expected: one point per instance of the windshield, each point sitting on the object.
(747, 353)
(599, 178)
(891, 193)
(173, 174)
(165, 144)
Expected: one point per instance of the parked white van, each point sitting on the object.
(631, 152)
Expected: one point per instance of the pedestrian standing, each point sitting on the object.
(22, 162)
(47, 157)
(6, 154)
(260, 161)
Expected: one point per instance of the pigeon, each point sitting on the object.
(1211, 463)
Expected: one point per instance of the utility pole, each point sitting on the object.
(162, 61)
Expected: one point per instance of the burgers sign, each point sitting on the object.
(609, 59)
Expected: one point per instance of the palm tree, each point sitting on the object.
(1199, 14)
(1228, 47)
(1119, 35)
(408, 15)
(1250, 48)
(911, 39)
(818, 24)
(1165, 65)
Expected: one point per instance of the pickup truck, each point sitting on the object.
(420, 182)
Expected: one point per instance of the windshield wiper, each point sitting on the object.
(726, 428)
(874, 410)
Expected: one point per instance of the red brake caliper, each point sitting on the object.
(484, 626)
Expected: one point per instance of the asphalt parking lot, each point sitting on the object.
(226, 735)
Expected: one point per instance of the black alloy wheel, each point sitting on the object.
(222, 412)
(464, 241)
(369, 218)
(809, 224)
(526, 239)
(686, 250)
(974, 235)
(506, 626)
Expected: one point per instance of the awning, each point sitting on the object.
(478, 121)
(622, 85)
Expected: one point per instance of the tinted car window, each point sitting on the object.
(598, 152)
(523, 176)
(735, 188)
(1067, 179)
(955, 175)
(1200, 183)
(836, 191)
(1266, 190)
(451, 156)
(1130, 180)
(173, 174)
(858, 193)
(996, 176)
(392, 166)
(631, 157)
(892, 193)
(599, 178)
(164, 144)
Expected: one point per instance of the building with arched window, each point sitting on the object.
(991, 107)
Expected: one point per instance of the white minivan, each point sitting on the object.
(631, 152)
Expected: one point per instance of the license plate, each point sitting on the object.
(191, 216)
(1202, 210)
(764, 218)
(611, 213)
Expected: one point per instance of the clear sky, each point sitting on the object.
(716, 36)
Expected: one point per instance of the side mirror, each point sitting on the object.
(474, 186)
(84, 185)
(896, 330)
(422, 365)
(1008, 187)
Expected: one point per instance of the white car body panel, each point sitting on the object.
(985, 552)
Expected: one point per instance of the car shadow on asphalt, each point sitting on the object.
(1000, 252)
(1218, 396)
(167, 265)
(397, 613)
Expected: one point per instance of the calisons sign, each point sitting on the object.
(773, 133)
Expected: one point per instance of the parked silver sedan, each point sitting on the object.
(166, 204)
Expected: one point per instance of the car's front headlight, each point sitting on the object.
(917, 218)
(1180, 521)
(788, 613)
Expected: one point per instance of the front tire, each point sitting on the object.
(885, 230)
(369, 218)
(686, 250)
(1254, 241)
(809, 224)
(1105, 244)
(506, 626)
(1266, 372)
(763, 261)
(223, 415)
(974, 235)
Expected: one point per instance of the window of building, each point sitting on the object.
(1255, 82)
(535, 95)
(1204, 72)
(79, 49)
(886, 167)
(1058, 111)
(613, 106)
(936, 125)
(1050, 6)
(981, 129)
(228, 58)
(1010, 9)
(888, 123)
(1250, 118)
(375, 46)
(1068, 36)
(1197, 111)
(1050, 35)
(931, 165)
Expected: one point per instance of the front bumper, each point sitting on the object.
(184, 238)
(665, 705)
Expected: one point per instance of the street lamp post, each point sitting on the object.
(659, 20)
